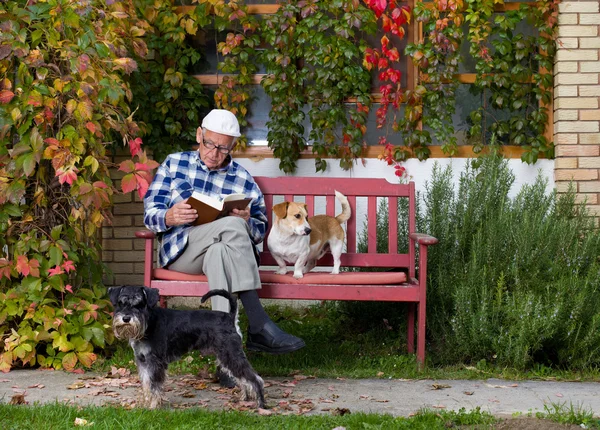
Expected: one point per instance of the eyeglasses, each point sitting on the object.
(210, 146)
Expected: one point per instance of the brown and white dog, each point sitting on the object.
(297, 239)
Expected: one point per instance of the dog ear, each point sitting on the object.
(113, 294)
(281, 209)
(306, 209)
(152, 296)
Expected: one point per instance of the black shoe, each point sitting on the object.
(225, 380)
(273, 340)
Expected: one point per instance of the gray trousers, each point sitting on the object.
(223, 251)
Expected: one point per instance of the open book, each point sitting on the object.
(210, 208)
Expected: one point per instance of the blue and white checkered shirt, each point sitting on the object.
(177, 178)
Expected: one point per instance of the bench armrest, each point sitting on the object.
(423, 239)
(145, 234)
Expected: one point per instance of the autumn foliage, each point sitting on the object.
(63, 104)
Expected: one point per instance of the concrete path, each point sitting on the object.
(305, 395)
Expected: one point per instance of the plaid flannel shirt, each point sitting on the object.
(177, 178)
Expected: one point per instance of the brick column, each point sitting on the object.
(577, 101)
(122, 252)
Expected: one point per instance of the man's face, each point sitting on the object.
(213, 157)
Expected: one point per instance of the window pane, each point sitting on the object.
(467, 62)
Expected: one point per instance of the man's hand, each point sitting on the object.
(245, 213)
(180, 213)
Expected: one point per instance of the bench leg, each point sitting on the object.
(421, 336)
(411, 328)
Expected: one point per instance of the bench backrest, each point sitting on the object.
(293, 188)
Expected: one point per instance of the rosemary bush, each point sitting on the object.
(514, 280)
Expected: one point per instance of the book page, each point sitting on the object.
(232, 197)
(211, 201)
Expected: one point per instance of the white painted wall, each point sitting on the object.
(420, 171)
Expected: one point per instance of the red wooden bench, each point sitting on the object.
(401, 285)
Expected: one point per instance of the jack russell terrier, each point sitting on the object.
(301, 241)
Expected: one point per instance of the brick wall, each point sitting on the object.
(121, 251)
(577, 101)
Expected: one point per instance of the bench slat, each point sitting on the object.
(372, 224)
(395, 293)
(326, 186)
(352, 260)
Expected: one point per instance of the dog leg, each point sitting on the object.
(152, 377)
(281, 263)
(299, 266)
(240, 369)
(336, 251)
(309, 266)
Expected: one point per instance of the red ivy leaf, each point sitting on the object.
(135, 146)
(127, 166)
(6, 96)
(4, 268)
(128, 183)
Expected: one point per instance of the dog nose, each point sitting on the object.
(126, 319)
(307, 230)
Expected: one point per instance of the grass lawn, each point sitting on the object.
(63, 417)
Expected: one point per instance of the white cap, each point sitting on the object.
(223, 122)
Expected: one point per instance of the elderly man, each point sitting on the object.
(225, 249)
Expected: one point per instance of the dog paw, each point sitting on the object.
(335, 272)
(281, 271)
(298, 275)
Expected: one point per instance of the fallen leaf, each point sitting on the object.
(18, 399)
(76, 386)
(468, 393)
(559, 395)
(500, 386)
(82, 422)
(340, 411)
(264, 412)
(5, 380)
(286, 394)
(288, 384)
(340, 379)
(331, 388)
(363, 396)
(439, 406)
(204, 373)
(326, 401)
(379, 374)
(188, 395)
(513, 385)
(382, 401)
(339, 428)
(440, 386)
(37, 386)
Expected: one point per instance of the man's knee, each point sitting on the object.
(235, 223)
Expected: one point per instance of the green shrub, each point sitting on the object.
(513, 280)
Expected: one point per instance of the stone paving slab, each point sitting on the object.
(301, 395)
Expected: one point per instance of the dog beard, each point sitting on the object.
(129, 331)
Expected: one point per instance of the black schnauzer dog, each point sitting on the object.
(159, 336)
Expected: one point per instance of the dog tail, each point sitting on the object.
(346, 211)
(227, 295)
